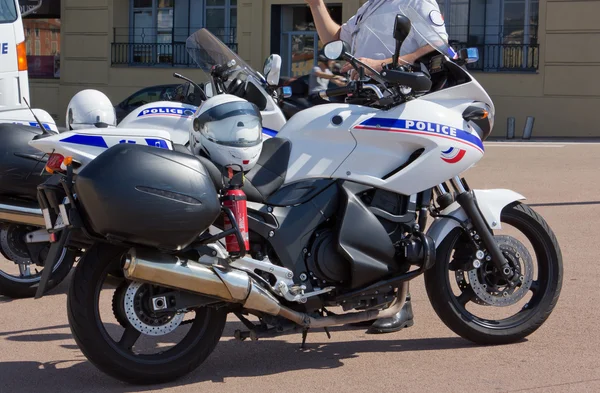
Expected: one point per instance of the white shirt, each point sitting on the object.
(371, 31)
(317, 84)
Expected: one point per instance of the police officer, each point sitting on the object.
(370, 31)
(370, 34)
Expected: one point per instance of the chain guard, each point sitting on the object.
(488, 293)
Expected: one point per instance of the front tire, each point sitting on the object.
(119, 360)
(546, 290)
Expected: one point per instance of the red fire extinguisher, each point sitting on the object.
(235, 200)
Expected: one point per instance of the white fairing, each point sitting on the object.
(86, 145)
(490, 202)
(174, 117)
(23, 116)
(368, 146)
(273, 117)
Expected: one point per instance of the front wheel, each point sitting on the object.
(470, 296)
(118, 331)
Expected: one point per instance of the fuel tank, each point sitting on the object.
(174, 117)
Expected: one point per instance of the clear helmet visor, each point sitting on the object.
(236, 124)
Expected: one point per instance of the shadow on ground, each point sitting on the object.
(231, 359)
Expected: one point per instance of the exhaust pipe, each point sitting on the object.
(234, 286)
(20, 212)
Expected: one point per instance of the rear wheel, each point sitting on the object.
(471, 297)
(19, 277)
(116, 329)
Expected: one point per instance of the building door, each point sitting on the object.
(299, 43)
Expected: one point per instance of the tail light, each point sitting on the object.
(54, 163)
(22, 56)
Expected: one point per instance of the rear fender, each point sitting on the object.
(490, 203)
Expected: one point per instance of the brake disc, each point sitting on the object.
(143, 320)
(489, 286)
(12, 244)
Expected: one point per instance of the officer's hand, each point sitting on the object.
(377, 65)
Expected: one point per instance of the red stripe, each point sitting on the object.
(456, 159)
(418, 133)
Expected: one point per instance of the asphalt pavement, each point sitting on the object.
(560, 181)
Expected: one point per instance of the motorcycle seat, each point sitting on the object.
(264, 179)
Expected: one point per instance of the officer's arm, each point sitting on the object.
(328, 30)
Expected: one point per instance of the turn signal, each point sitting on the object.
(68, 161)
(22, 56)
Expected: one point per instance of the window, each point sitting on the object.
(221, 19)
(299, 41)
(43, 47)
(8, 11)
(144, 97)
(504, 31)
(159, 28)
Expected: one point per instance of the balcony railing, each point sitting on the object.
(505, 57)
(143, 47)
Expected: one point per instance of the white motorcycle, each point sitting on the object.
(338, 210)
(164, 124)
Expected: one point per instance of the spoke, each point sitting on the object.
(129, 337)
(535, 287)
(466, 296)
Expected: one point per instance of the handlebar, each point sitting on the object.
(345, 90)
(336, 91)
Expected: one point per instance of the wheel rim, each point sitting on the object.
(539, 286)
(125, 341)
(19, 258)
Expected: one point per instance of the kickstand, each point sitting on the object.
(304, 335)
(327, 331)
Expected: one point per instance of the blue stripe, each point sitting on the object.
(269, 132)
(432, 128)
(161, 144)
(86, 140)
(448, 151)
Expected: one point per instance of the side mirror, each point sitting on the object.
(272, 70)
(402, 28)
(208, 90)
(336, 50)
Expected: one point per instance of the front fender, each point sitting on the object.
(490, 203)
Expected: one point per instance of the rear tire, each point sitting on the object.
(487, 332)
(101, 350)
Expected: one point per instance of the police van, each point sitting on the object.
(14, 81)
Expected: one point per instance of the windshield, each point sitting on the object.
(207, 51)
(424, 28)
(8, 11)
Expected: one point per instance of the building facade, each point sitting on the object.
(535, 54)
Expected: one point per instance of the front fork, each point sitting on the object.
(466, 199)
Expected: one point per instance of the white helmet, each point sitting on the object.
(228, 130)
(88, 108)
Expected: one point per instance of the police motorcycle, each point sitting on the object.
(388, 158)
(24, 241)
(91, 125)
